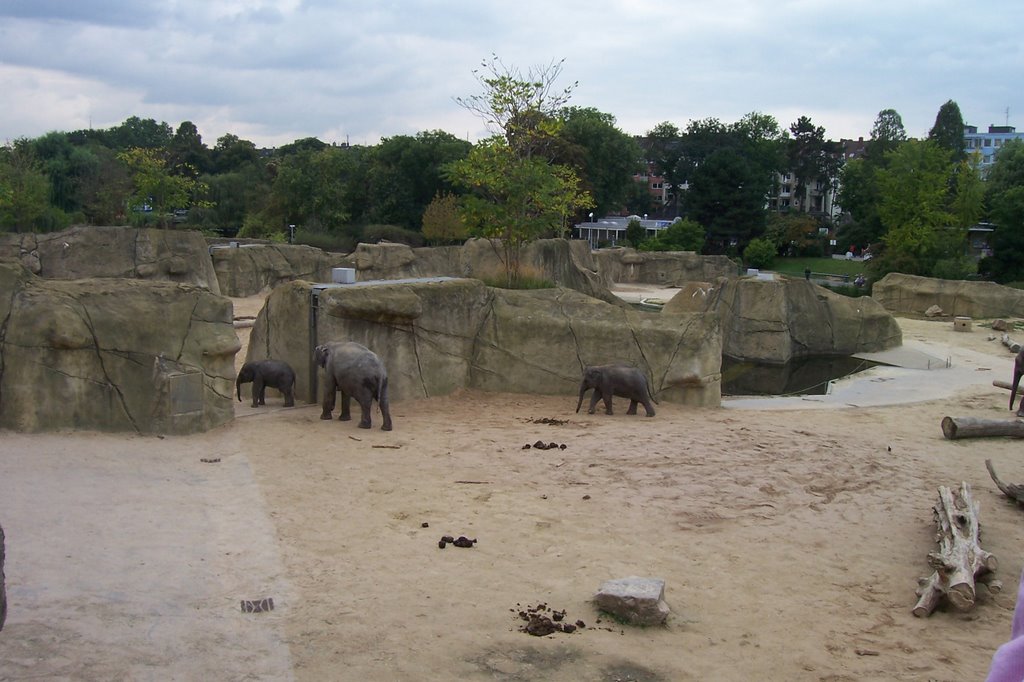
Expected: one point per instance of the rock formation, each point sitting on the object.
(113, 354)
(248, 269)
(777, 320)
(82, 252)
(900, 293)
(438, 335)
(664, 268)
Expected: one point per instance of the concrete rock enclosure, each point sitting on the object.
(438, 335)
(675, 268)
(912, 294)
(775, 321)
(123, 252)
(247, 269)
(113, 355)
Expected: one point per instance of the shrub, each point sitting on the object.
(760, 253)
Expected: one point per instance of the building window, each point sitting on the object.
(988, 143)
(785, 189)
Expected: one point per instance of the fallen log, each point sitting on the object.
(971, 427)
(1014, 492)
(1014, 346)
(959, 560)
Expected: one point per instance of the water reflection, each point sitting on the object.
(805, 376)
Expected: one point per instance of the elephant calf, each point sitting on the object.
(358, 373)
(616, 379)
(1018, 372)
(263, 373)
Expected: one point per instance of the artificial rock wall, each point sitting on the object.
(113, 354)
(912, 294)
(438, 335)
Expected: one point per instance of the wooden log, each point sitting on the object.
(1014, 492)
(1014, 346)
(971, 427)
(999, 383)
(959, 560)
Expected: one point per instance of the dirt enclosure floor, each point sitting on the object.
(790, 534)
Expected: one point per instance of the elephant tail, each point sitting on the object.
(238, 387)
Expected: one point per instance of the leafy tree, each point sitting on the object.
(1005, 194)
(516, 194)
(231, 153)
(968, 201)
(404, 175)
(794, 233)
(681, 235)
(138, 133)
(913, 199)
(811, 157)
(887, 134)
(727, 196)
(188, 154)
(442, 223)
(663, 145)
(154, 185)
(519, 107)
(948, 131)
(760, 253)
(515, 199)
(24, 188)
(604, 157)
(635, 233)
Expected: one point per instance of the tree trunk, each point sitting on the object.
(969, 427)
(959, 560)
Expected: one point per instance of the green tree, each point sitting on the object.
(663, 146)
(603, 156)
(681, 235)
(913, 200)
(794, 233)
(887, 134)
(811, 158)
(138, 133)
(1005, 195)
(232, 153)
(636, 233)
(155, 186)
(515, 200)
(948, 131)
(759, 253)
(727, 196)
(968, 203)
(405, 174)
(24, 188)
(442, 222)
(516, 193)
(187, 153)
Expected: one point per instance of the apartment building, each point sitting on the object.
(987, 145)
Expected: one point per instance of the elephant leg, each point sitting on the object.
(648, 407)
(258, 390)
(289, 395)
(385, 408)
(330, 388)
(593, 401)
(346, 404)
(632, 407)
(607, 396)
(366, 412)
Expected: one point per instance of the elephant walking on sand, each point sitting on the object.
(358, 373)
(263, 373)
(618, 379)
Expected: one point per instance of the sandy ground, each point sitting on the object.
(790, 534)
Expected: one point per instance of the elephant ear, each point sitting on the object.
(320, 354)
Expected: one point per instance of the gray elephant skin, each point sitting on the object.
(618, 379)
(358, 373)
(3, 589)
(1018, 371)
(264, 373)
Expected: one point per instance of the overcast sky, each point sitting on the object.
(273, 71)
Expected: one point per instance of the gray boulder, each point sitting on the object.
(566, 263)
(248, 269)
(438, 335)
(113, 355)
(124, 252)
(664, 268)
(634, 600)
(900, 293)
(777, 320)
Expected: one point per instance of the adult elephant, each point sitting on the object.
(618, 379)
(264, 373)
(358, 373)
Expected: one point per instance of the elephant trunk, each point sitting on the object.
(583, 389)
(1013, 391)
(238, 387)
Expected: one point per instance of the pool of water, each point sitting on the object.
(805, 376)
